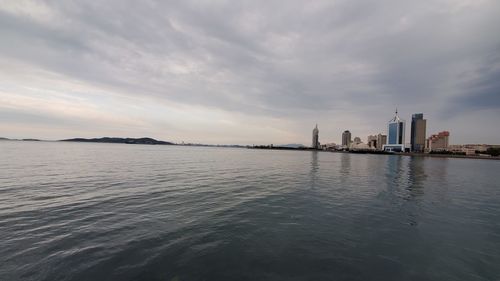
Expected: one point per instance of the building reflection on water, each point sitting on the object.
(345, 168)
(416, 176)
(406, 178)
(313, 174)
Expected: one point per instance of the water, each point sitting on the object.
(83, 211)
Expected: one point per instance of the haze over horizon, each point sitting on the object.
(248, 72)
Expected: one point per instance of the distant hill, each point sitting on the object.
(19, 139)
(121, 140)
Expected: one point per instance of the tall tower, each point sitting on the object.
(346, 138)
(417, 137)
(395, 134)
(315, 139)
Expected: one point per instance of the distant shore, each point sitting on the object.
(378, 152)
(150, 141)
(449, 156)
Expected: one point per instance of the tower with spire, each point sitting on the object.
(315, 138)
(395, 134)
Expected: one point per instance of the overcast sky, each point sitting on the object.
(248, 72)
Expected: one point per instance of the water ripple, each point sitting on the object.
(73, 211)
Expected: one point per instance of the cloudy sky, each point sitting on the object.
(248, 72)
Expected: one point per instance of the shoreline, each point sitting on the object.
(384, 153)
(289, 149)
(448, 156)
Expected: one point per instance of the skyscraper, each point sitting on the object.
(346, 138)
(315, 139)
(395, 134)
(417, 138)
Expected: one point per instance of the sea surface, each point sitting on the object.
(90, 211)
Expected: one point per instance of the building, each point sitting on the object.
(346, 138)
(372, 141)
(417, 136)
(381, 140)
(377, 141)
(355, 142)
(360, 147)
(315, 138)
(329, 146)
(456, 148)
(439, 141)
(395, 135)
(478, 147)
(469, 151)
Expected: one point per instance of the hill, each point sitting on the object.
(121, 140)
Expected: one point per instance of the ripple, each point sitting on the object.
(120, 212)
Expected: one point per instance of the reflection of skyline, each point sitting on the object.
(406, 177)
(416, 176)
(314, 168)
(393, 173)
(345, 168)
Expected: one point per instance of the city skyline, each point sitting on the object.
(241, 73)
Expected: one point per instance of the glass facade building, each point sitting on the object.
(395, 135)
(418, 126)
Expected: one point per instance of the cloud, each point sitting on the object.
(223, 66)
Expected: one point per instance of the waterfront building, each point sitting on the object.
(417, 135)
(395, 134)
(356, 141)
(381, 140)
(315, 138)
(372, 141)
(456, 148)
(469, 151)
(329, 146)
(360, 147)
(479, 147)
(346, 138)
(439, 141)
(377, 141)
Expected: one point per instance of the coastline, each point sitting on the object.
(385, 153)
(284, 148)
(448, 156)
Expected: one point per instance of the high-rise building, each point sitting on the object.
(395, 134)
(439, 141)
(381, 140)
(346, 138)
(315, 138)
(417, 138)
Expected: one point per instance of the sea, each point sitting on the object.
(94, 211)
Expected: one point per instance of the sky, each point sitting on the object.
(248, 72)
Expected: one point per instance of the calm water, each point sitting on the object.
(76, 211)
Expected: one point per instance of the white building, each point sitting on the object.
(315, 138)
